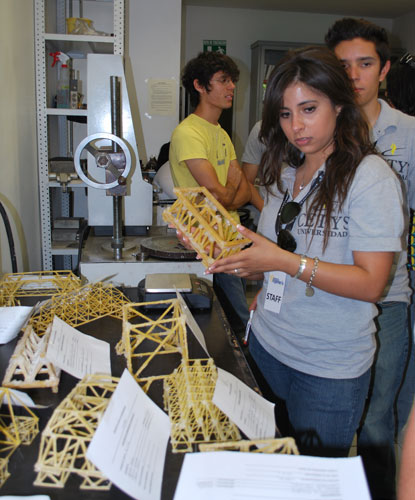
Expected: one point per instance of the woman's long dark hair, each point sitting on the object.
(318, 68)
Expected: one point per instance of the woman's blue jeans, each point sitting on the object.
(324, 413)
(376, 438)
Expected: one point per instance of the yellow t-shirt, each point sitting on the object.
(193, 138)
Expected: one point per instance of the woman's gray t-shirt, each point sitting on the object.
(327, 335)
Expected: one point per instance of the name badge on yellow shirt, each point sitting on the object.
(275, 291)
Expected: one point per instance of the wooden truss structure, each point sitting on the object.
(144, 339)
(28, 366)
(194, 418)
(67, 435)
(209, 227)
(286, 446)
(14, 430)
(35, 284)
(92, 301)
(4, 472)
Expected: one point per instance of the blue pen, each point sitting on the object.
(248, 327)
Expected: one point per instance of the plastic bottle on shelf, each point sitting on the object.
(63, 80)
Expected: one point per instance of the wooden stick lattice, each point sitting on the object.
(286, 446)
(67, 435)
(4, 473)
(35, 284)
(206, 223)
(14, 430)
(187, 398)
(166, 334)
(28, 366)
(7, 300)
(81, 306)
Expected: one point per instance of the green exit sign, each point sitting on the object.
(214, 46)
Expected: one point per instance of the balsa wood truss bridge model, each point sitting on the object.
(92, 301)
(286, 446)
(210, 228)
(28, 366)
(14, 429)
(194, 418)
(67, 435)
(35, 284)
(144, 339)
(4, 472)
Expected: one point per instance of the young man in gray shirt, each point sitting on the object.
(363, 49)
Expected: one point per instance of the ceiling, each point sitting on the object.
(367, 8)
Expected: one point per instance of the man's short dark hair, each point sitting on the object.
(349, 28)
(202, 68)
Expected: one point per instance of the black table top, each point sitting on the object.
(222, 346)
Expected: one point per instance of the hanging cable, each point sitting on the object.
(9, 237)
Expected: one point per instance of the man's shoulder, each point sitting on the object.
(186, 122)
(394, 117)
(193, 123)
(405, 120)
(373, 169)
(188, 126)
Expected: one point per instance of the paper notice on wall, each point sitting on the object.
(161, 96)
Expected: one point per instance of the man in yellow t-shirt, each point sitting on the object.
(202, 154)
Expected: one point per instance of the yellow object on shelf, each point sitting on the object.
(72, 21)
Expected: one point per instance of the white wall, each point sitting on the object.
(154, 49)
(242, 27)
(18, 170)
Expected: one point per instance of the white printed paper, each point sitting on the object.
(25, 497)
(191, 323)
(253, 414)
(129, 445)
(12, 320)
(36, 282)
(20, 398)
(226, 475)
(161, 96)
(76, 353)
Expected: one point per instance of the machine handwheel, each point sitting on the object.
(100, 154)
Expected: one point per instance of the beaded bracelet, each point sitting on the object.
(303, 264)
(309, 290)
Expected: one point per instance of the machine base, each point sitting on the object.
(98, 264)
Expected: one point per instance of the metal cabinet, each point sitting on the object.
(264, 55)
(59, 130)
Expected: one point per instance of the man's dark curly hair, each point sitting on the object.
(349, 28)
(202, 68)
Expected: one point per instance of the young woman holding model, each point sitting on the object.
(331, 223)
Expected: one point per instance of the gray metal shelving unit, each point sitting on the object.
(264, 54)
(50, 35)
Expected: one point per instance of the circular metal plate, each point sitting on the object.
(167, 247)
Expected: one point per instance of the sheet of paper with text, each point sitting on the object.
(129, 445)
(229, 475)
(76, 353)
